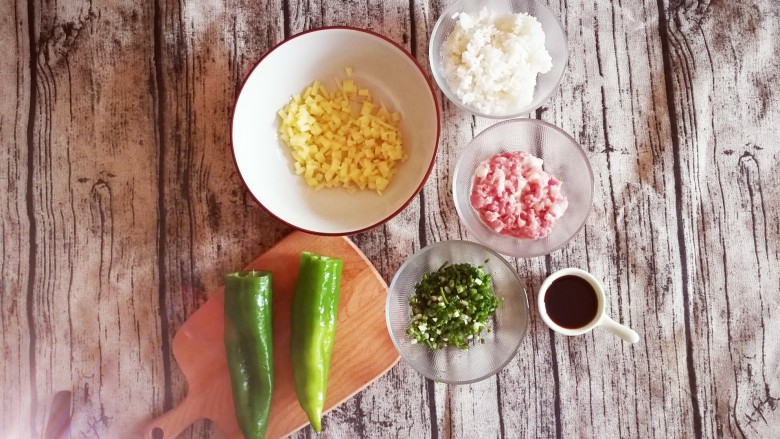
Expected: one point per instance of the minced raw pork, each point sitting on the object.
(491, 60)
(514, 196)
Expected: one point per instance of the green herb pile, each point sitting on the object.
(451, 307)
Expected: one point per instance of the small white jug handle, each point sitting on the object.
(624, 332)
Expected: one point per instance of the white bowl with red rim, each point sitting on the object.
(265, 164)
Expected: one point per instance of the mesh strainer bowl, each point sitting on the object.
(452, 365)
(555, 43)
(563, 157)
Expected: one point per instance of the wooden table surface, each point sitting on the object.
(121, 207)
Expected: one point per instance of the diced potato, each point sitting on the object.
(348, 86)
(368, 107)
(335, 146)
(383, 168)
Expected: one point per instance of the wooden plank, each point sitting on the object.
(478, 409)
(391, 406)
(16, 340)
(209, 222)
(88, 161)
(724, 114)
(572, 389)
(611, 103)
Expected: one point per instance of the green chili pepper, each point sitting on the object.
(249, 346)
(313, 325)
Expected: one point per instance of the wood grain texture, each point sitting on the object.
(210, 225)
(121, 208)
(15, 253)
(84, 318)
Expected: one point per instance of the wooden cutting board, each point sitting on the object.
(362, 350)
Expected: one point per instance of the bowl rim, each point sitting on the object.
(532, 121)
(435, 146)
(446, 89)
(494, 255)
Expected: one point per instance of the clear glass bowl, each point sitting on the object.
(452, 365)
(563, 157)
(555, 43)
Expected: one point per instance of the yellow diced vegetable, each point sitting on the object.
(334, 146)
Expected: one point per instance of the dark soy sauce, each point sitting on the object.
(571, 302)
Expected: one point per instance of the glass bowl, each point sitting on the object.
(453, 365)
(555, 43)
(563, 157)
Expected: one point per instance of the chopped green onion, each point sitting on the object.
(451, 307)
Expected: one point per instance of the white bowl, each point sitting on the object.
(555, 43)
(264, 162)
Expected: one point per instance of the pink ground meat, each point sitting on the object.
(515, 197)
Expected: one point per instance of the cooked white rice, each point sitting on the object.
(491, 60)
